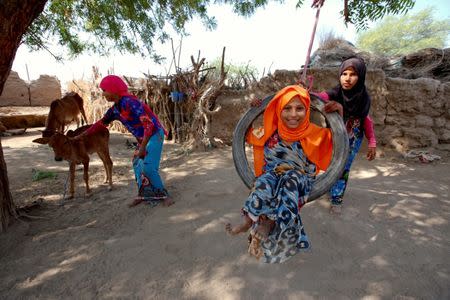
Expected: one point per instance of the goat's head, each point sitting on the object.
(60, 144)
(48, 133)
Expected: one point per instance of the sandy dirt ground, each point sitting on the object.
(391, 242)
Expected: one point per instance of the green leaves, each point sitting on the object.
(239, 75)
(363, 11)
(405, 34)
(127, 25)
(134, 25)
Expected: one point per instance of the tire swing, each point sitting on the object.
(324, 181)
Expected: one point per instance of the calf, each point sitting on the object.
(63, 111)
(76, 151)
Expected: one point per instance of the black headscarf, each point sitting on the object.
(356, 101)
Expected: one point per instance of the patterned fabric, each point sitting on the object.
(279, 193)
(367, 125)
(146, 171)
(316, 141)
(134, 115)
(355, 140)
(115, 85)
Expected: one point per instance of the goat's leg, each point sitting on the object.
(86, 177)
(110, 167)
(72, 180)
(108, 164)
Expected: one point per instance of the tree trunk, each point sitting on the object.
(7, 209)
(15, 18)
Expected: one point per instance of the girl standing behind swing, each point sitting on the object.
(287, 156)
(352, 95)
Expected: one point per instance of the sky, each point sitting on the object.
(275, 37)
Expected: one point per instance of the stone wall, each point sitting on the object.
(15, 91)
(234, 104)
(40, 92)
(44, 90)
(417, 113)
(407, 113)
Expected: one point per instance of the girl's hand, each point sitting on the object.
(256, 102)
(141, 152)
(135, 153)
(333, 106)
(371, 153)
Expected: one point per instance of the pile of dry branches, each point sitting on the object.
(184, 101)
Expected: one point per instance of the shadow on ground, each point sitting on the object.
(390, 242)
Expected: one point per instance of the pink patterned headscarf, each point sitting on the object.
(115, 85)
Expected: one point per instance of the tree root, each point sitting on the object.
(22, 212)
(27, 216)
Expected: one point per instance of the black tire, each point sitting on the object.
(324, 181)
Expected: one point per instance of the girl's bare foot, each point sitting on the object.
(244, 227)
(254, 247)
(265, 226)
(168, 202)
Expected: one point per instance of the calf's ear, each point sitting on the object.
(42, 141)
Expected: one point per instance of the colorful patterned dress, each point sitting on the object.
(278, 194)
(140, 121)
(355, 138)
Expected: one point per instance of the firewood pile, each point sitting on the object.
(184, 101)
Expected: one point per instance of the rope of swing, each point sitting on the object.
(303, 78)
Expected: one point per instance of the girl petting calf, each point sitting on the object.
(140, 121)
(288, 154)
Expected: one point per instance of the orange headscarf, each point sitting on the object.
(315, 140)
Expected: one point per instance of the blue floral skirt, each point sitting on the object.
(279, 196)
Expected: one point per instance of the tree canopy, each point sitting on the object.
(360, 12)
(129, 25)
(134, 25)
(406, 34)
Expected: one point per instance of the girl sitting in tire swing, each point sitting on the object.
(287, 156)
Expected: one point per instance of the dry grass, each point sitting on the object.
(329, 40)
(94, 104)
